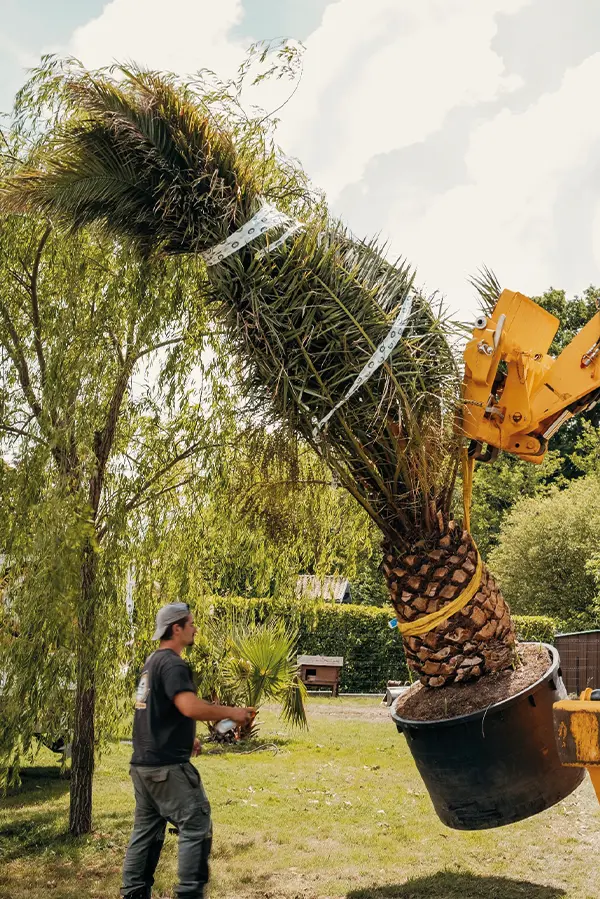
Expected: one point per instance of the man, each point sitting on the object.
(167, 786)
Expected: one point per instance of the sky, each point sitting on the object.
(463, 132)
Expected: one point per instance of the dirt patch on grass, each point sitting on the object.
(344, 707)
(428, 704)
(348, 710)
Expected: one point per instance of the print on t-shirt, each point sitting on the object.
(142, 691)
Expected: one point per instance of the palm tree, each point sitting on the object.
(245, 662)
(156, 164)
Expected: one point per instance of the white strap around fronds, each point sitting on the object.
(297, 226)
(377, 359)
(266, 219)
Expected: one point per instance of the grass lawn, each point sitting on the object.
(337, 812)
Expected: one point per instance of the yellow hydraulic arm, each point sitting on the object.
(516, 396)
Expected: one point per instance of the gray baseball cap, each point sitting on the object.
(175, 611)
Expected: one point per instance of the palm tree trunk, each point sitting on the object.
(82, 765)
(478, 639)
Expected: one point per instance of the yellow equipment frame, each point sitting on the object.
(515, 395)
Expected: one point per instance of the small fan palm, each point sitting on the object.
(251, 662)
(155, 164)
(262, 666)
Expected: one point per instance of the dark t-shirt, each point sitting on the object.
(161, 734)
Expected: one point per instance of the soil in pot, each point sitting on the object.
(427, 704)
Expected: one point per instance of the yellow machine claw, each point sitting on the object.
(515, 395)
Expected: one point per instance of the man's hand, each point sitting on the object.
(242, 716)
(197, 747)
(192, 707)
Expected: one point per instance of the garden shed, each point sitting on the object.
(321, 671)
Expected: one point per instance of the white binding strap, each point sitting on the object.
(377, 359)
(280, 240)
(267, 218)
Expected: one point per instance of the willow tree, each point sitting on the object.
(100, 419)
(305, 310)
(284, 517)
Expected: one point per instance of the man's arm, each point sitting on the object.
(192, 707)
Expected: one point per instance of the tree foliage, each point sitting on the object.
(573, 313)
(546, 553)
(498, 486)
(107, 405)
(159, 164)
(269, 513)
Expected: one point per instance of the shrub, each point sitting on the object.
(543, 558)
(535, 628)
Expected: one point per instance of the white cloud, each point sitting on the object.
(382, 75)
(181, 35)
(518, 164)
(595, 236)
(16, 51)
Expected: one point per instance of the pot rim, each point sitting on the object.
(502, 704)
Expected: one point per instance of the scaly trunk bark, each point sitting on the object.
(83, 751)
(475, 641)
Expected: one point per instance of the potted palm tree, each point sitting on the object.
(332, 339)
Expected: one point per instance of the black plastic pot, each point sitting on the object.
(496, 766)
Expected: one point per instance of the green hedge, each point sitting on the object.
(535, 628)
(372, 651)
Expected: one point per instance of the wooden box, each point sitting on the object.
(321, 671)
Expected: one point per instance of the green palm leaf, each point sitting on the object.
(156, 164)
(488, 287)
(260, 665)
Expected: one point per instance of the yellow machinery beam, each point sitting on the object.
(515, 395)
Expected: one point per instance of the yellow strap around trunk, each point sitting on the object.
(427, 622)
(468, 466)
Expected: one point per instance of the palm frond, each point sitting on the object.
(260, 665)
(155, 164)
(293, 700)
(488, 287)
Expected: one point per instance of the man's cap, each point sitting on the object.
(175, 611)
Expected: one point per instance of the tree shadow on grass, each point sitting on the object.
(25, 837)
(449, 885)
(38, 785)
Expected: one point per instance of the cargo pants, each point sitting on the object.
(170, 793)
